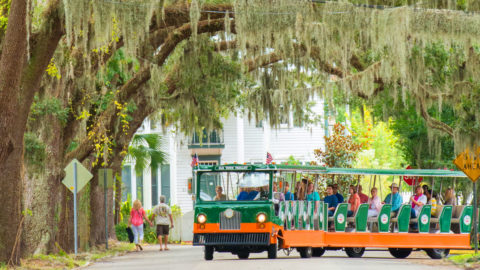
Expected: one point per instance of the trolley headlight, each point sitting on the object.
(261, 217)
(201, 218)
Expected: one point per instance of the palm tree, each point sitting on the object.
(146, 150)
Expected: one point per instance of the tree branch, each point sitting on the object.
(432, 122)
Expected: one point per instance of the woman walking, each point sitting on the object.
(136, 222)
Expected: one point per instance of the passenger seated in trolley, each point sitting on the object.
(288, 195)
(331, 200)
(432, 200)
(363, 196)
(394, 198)
(374, 203)
(277, 196)
(353, 201)
(220, 196)
(338, 195)
(418, 200)
(243, 195)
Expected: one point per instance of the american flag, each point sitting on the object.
(269, 158)
(194, 160)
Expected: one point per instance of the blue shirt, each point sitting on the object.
(313, 196)
(252, 194)
(242, 196)
(339, 197)
(331, 200)
(289, 196)
(396, 201)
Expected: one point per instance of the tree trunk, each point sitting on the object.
(11, 130)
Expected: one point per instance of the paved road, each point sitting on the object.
(191, 258)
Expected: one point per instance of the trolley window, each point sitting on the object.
(234, 186)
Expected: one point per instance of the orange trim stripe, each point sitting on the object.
(380, 240)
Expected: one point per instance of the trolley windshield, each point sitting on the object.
(234, 186)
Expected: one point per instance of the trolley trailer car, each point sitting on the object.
(237, 211)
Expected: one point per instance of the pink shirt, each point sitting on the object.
(136, 217)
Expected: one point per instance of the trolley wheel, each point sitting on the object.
(355, 252)
(437, 253)
(208, 253)
(305, 252)
(317, 252)
(272, 251)
(400, 253)
(243, 255)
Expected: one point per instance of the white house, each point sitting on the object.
(239, 141)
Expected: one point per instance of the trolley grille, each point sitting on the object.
(232, 223)
(236, 239)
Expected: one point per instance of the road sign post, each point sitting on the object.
(469, 163)
(75, 223)
(475, 225)
(105, 179)
(106, 212)
(75, 180)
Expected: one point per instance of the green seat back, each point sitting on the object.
(446, 218)
(321, 216)
(424, 219)
(341, 217)
(281, 211)
(296, 209)
(307, 217)
(325, 216)
(466, 219)
(384, 218)
(361, 218)
(288, 215)
(403, 220)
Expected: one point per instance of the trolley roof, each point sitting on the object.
(326, 170)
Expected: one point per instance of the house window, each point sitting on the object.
(259, 123)
(165, 179)
(139, 188)
(153, 125)
(126, 181)
(208, 162)
(154, 186)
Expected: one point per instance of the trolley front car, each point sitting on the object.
(238, 209)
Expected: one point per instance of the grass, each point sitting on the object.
(469, 261)
(63, 260)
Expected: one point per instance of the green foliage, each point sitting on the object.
(35, 150)
(340, 151)
(206, 84)
(121, 231)
(125, 209)
(146, 150)
(4, 12)
(48, 106)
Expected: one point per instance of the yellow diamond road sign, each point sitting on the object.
(469, 162)
(83, 176)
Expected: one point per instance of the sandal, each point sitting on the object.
(141, 248)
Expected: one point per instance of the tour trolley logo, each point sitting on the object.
(424, 219)
(467, 220)
(384, 219)
(228, 213)
(340, 218)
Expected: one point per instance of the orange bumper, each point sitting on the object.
(267, 227)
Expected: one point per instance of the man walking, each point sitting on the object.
(163, 218)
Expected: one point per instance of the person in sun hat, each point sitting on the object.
(394, 198)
